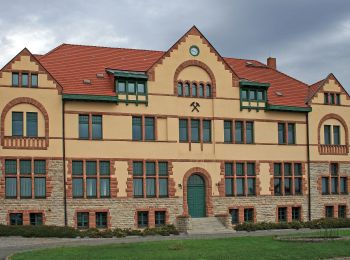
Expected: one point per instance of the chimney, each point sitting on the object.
(271, 63)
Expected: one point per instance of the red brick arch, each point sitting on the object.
(197, 63)
(208, 189)
(341, 121)
(24, 100)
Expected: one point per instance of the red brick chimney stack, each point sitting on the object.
(271, 63)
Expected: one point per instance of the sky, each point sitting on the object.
(309, 38)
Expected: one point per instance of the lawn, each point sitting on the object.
(227, 248)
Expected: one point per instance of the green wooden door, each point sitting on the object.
(196, 196)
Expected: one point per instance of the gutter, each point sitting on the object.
(308, 164)
(64, 163)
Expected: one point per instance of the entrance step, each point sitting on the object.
(209, 225)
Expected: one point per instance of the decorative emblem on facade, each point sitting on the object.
(195, 106)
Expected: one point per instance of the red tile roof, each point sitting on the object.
(313, 89)
(71, 64)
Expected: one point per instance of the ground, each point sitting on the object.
(255, 245)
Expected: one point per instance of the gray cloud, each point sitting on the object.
(309, 38)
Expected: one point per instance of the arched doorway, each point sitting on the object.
(196, 196)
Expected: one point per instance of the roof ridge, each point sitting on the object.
(307, 85)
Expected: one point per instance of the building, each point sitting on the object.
(112, 137)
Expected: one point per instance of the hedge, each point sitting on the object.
(69, 232)
(314, 224)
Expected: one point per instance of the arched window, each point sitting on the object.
(208, 91)
(179, 89)
(201, 90)
(187, 89)
(194, 89)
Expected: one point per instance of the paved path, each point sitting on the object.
(11, 245)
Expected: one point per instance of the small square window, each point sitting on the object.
(16, 219)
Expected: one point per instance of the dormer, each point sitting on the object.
(253, 95)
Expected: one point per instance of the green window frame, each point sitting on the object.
(136, 128)
(17, 123)
(208, 92)
(32, 124)
(291, 133)
(338, 99)
(96, 127)
(149, 128)
(187, 89)
(237, 174)
(82, 220)
(105, 168)
(194, 90)
(249, 132)
(239, 132)
(25, 167)
(180, 89)
(282, 133)
(325, 185)
(83, 126)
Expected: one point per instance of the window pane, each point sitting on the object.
(138, 187)
(163, 169)
(121, 87)
(251, 169)
(249, 132)
(336, 135)
(91, 168)
(325, 187)
(26, 187)
(34, 82)
(334, 169)
(104, 188)
(82, 219)
(251, 186)
(297, 185)
(187, 90)
(229, 187)
(229, 169)
(151, 187)
(341, 211)
(248, 215)
(17, 124)
(159, 218)
(208, 90)
(96, 127)
(40, 187)
(244, 94)
(195, 130)
(32, 124)
(101, 219)
(206, 131)
(137, 168)
(150, 168)
(332, 99)
(277, 169)
(78, 190)
(137, 128)
(142, 219)
(260, 96)
(326, 100)
(163, 187)
(131, 87)
(234, 216)
(183, 131)
(239, 169)
(282, 214)
(296, 214)
(40, 167)
(252, 95)
(297, 169)
(239, 132)
(11, 187)
(10, 167)
(104, 168)
(25, 166)
(288, 186)
(141, 88)
(15, 79)
(77, 168)
(179, 89)
(24, 79)
(338, 99)
(201, 90)
(194, 90)
(228, 131)
(334, 184)
(36, 219)
(240, 186)
(83, 126)
(281, 133)
(277, 183)
(149, 121)
(327, 134)
(291, 133)
(287, 169)
(343, 185)
(91, 187)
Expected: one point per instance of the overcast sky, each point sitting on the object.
(309, 38)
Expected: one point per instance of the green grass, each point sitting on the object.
(227, 248)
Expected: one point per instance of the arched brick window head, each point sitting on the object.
(11, 142)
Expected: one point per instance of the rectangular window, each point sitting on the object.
(34, 80)
(121, 87)
(336, 135)
(338, 99)
(291, 133)
(296, 214)
(11, 187)
(282, 214)
(136, 128)
(326, 98)
(249, 215)
(183, 130)
(332, 101)
(160, 218)
(82, 219)
(325, 185)
(327, 134)
(15, 79)
(32, 124)
(25, 166)
(343, 185)
(341, 211)
(10, 167)
(83, 126)
(39, 167)
(149, 128)
(131, 88)
(141, 88)
(228, 131)
(16, 219)
(278, 179)
(142, 219)
(26, 187)
(105, 168)
(24, 79)
(91, 191)
(249, 132)
(329, 211)
(206, 131)
(17, 123)
(104, 188)
(234, 216)
(77, 167)
(284, 175)
(195, 131)
(96, 127)
(78, 188)
(239, 132)
(40, 187)
(179, 89)
(91, 168)
(36, 219)
(101, 219)
(281, 133)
